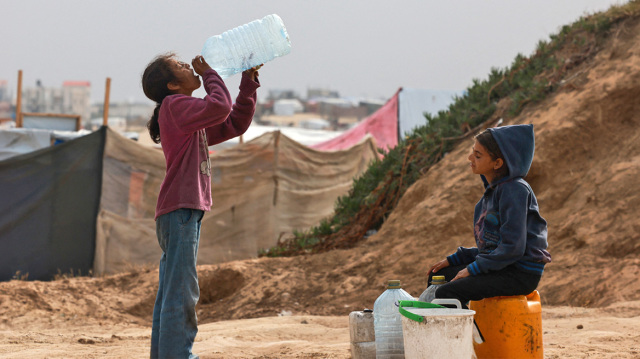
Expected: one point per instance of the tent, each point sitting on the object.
(304, 136)
(50, 200)
(17, 141)
(88, 204)
(403, 112)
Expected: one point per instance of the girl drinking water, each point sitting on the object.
(510, 233)
(187, 126)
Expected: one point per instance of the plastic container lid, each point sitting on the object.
(438, 279)
(394, 284)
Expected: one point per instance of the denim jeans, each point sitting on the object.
(175, 324)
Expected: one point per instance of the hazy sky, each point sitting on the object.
(359, 48)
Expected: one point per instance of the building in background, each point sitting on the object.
(73, 98)
(76, 99)
(287, 107)
(5, 94)
(6, 110)
(136, 114)
(314, 93)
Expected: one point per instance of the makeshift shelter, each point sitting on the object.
(17, 141)
(403, 112)
(89, 203)
(50, 200)
(303, 136)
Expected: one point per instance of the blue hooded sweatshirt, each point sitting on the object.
(508, 227)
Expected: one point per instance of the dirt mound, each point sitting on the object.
(585, 175)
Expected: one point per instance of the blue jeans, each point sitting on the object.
(175, 324)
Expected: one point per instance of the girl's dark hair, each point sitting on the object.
(156, 77)
(485, 138)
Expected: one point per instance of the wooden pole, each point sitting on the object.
(45, 114)
(19, 101)
(105, 119)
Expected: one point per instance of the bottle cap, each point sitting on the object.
(438, 279)
(394, 284)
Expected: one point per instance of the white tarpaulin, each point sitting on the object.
(303, 136)
(413, 103)
(17, 141)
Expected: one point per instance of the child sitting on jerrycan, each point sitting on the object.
(510, 234)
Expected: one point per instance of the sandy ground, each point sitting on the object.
(271, 337)
(569, 332)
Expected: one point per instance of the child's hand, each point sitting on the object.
(199, 65)
(253, 72)
(436, 267)
(462, 274)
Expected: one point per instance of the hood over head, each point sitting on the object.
(517, 144)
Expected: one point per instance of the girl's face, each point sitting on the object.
(186, 80)
(481, 162)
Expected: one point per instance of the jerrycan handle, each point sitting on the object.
(533, 296)
(414, 304)
(449, 301)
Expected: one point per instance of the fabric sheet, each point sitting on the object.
(382, 125)
(49, 203)
(414, 103)
(262, 190)
(19, 141)
(89, 203)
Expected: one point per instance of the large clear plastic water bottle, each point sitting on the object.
(247, 46)
(387, 322)
(429, 294)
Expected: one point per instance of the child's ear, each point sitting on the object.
(498, 164)
(173, 86)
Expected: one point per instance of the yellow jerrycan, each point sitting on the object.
(511, 327)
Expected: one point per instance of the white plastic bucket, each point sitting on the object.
(442, 333)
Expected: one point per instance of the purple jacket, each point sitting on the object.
(188, 125)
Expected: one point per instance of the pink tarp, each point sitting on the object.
(382, 125)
